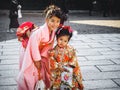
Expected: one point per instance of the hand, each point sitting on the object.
(37, 64)
(66, 70)
(81, 87)
(60, 67)
(39, 77)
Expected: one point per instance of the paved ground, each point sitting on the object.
(97, 44)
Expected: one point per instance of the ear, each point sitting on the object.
(46, 19)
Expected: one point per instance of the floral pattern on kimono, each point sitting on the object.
(64, 57)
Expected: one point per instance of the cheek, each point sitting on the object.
(59, 41)
(65, 43)
(48, 22)
(57, 24)
(49, 25)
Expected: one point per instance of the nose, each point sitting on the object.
(61, 42)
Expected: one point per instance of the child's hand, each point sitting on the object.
(65, 70)
(81, 87)
(37, 64)
(60, 67)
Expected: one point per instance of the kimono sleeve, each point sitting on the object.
(34, 43)
(53, 63)
(76, 70)
(73, 57)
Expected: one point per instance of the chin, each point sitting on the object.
(54, 28)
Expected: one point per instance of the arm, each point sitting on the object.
(77, 71)
(34, 43)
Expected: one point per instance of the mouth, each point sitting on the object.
(53, 28)
(60, 45)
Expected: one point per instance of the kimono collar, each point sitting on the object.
(46, 30)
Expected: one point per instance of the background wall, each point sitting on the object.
(112, 5)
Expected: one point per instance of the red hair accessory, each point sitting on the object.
(22, 30)
(24, 27)
(65, 27)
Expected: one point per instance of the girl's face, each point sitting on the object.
(53, 23)
(62, 41)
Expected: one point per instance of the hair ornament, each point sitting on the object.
(64, 27)
(59, 30)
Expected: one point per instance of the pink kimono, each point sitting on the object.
(37, 49)
(22, 52)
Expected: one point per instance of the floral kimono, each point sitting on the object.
(60, 57)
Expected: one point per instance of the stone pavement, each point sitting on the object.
(98, 53)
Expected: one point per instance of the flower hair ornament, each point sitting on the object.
(24, 27)
(65, 27)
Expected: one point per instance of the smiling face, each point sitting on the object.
(53, 23)
(62, 41)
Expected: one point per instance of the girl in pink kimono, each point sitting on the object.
(35, 65)
(65, 70)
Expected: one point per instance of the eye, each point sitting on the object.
(65, 41)
(58, 21)
(52, 20)
(61, 39)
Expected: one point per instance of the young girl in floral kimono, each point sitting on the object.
(65, 70)
(35, 65)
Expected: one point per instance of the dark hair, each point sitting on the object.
(53, 10)
(63, 31)
(64, 18)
